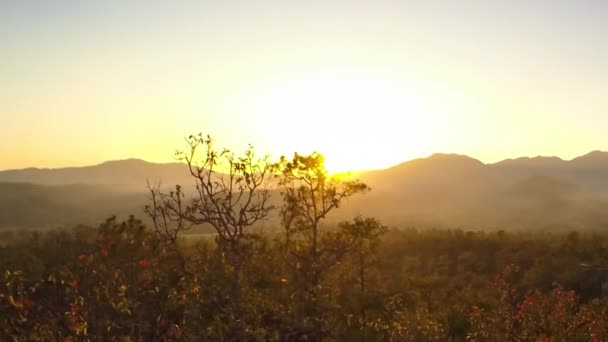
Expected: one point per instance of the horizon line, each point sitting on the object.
(348, 171)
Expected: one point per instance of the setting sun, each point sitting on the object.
(354, 121)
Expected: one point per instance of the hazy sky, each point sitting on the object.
(368, 83)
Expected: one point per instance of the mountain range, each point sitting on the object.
(442, 190)
(120, 175)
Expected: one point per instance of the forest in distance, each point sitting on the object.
(314, 276)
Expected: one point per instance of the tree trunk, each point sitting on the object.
(362, 284)
(317, 326)
(235, 261)
(239, 324)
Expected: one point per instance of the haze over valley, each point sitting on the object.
(439, 191)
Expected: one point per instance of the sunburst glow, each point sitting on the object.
(353, 121)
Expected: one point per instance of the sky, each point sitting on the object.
(367, 83)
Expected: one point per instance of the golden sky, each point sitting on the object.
(369, 84)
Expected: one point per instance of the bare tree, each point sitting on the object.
(231, 194)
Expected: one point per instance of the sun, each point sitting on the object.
(357, 123)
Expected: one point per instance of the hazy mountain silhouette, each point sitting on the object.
(459, 191)
(437, 170)
(123, 175)
(41, 206)
(443, 190)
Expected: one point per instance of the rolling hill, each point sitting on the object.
(443, 190)
(128, 175)
(26, 205)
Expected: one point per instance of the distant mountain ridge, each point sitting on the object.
(124, 175)
(442, 190)
(134, 172)
(451, 190)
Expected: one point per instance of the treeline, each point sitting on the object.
(308, 281)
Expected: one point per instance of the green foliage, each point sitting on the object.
(122, 281)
